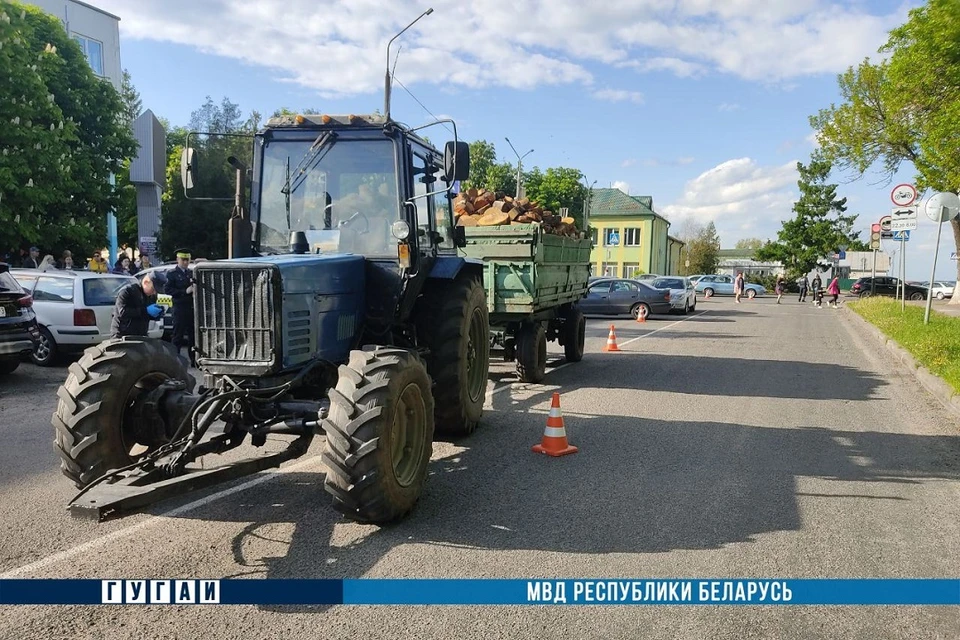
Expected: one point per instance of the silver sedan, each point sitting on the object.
(683, 294)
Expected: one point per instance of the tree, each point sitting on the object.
(749, 243)
(819, 225)
(132, 104)
(556, 188)
(62, 137)
(126, 212)
(483, 155)
(702, 248)
(905, 109)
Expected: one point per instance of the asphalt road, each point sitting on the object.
(752, 440)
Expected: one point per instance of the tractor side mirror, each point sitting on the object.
(459, 237)
(188, 168)
(456, 161)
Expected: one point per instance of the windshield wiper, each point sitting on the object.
(310, 160)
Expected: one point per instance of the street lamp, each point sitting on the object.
(387, 82)
(519, 163)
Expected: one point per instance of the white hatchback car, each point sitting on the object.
(74, 309)
(941, 289)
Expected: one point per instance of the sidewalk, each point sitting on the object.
(939, 306)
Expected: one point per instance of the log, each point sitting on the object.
(524, 219)
(514, 213)
(524, 202)
(493, 218)
(569, 221)
(482, 210)
(467, 221)
(472, 193)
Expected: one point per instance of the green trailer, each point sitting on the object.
(534, 281)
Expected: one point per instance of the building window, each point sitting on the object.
(593, 235)
(609, 270)
(611, 237)
(631, 269)
(93, 51)
(631, 237)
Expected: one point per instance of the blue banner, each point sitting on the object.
(600, 591)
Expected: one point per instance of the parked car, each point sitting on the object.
(646, 277)
(683, 293)
(164, 300)
(617, 296)
(885, 286)
(941, 288)
(721, 285)
(18, 322)
(74, 309)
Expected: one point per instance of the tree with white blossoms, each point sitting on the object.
(60, 134)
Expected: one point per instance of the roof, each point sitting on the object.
(677, 240)
(97, 9)
(736, 253)
(614, 202)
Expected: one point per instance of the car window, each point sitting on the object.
(600, 287)
(669, 283)
(53, 290)
(8, 282)
(623, 285)
(102, 292)
(26, 281)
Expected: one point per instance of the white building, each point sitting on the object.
(96, 31)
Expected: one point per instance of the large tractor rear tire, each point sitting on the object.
(93, 433)
(454, 324)
(379, 435)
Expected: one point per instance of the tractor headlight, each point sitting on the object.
(400, 230)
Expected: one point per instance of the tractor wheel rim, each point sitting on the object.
(131, 444)
(407, 435)
(476, 377)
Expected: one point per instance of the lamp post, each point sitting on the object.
(387, 80)
(519, 163)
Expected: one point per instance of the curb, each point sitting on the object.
(934, 385)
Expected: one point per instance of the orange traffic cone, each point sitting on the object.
(554, 442)
(611, 342)
(642, 314)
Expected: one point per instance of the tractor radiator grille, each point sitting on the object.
(235, 315)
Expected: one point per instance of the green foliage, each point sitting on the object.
(126, 212)
(199, 225)
(905, 108)
(702, 249)
(749, 243)
(132, 104)
(936, 345)
(62, 136)
(819, 226)
(483, 155)
(556, 188)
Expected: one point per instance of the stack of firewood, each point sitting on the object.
(482, 208)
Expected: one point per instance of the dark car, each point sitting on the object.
(18, 322)
(620, 296)
(886, 286)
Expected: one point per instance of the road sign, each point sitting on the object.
(903, 195)
(885, 222)
(904, 218)
(942, 206)
(901, 235)
(953, 256)
(613, 239)
(886, 235)
(842, 255)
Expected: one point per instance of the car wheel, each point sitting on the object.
(635, 310)
(751, 294)
(916, 295)
(940, 295)
(45, 351)
(686, 308)
(708, 292)
(865, 294)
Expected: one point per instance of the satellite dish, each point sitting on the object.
(943, 207)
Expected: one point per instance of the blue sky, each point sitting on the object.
(701, 104)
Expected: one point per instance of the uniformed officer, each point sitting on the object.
(180, 288)
(136, 304)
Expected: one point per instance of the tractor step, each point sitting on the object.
(133, 492)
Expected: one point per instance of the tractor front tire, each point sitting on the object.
(379, 435)
(90, 431)
(454, 325)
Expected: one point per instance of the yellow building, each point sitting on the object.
(629, 237)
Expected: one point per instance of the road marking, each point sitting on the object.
(127, 531)
(672, 324)
(186, 508)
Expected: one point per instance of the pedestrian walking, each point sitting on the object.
(804, 284)
(817, 286)
(32, 259)
(738, 285)
(136, 305)
(834, 290)
(180, 288)
(780, 287)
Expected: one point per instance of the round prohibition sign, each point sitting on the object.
(903, 195)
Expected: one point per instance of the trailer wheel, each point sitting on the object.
(379, 435)
(93, 431)
(454, 324)
(531, 352)
(574, 334)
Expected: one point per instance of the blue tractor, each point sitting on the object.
(343, 309)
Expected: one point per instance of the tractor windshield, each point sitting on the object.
(341, 193)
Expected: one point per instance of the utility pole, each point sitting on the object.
(519, 164)
(388, 82)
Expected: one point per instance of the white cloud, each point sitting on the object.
(619, 95)
(728, 106)
(337, 47)
(623, 186)
(741, 197)
(629, 162)
(675, 162)
(685, 160)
